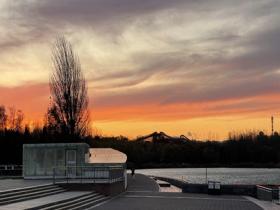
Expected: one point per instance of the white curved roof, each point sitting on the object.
(106, 155)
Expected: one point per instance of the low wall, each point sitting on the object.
(268, 193)
(104, 189)
(175, 182)
(264, 193)
(229, 189)
(250, 190)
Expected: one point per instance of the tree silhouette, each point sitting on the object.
(19, 120)
(12, 118)
(3, 117)
(68, 113)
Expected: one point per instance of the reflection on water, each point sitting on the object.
(224, 175)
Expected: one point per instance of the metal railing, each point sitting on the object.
(10, 170)
(88, 174)
(267, 194)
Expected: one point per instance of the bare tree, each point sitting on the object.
(15, 119)
(3, 118)
(19, 121)
(12, 118)
(69, 108)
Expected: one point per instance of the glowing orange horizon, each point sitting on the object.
(201, 120)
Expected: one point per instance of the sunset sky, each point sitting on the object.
(198, 68)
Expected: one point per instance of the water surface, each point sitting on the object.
(224, 175)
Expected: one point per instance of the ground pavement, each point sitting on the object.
(143, 193)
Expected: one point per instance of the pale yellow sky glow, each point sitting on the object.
(198, 128)
(205, 68)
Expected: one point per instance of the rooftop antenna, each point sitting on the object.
(272, 129)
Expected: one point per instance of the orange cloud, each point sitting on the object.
(254, 106)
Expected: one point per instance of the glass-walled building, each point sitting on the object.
(39, 160)
(72, 160)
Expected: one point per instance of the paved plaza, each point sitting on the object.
(143, 194)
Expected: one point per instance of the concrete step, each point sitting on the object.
(89, 204)
(79, 202)
(28, 191)
(30, 196)
(61, 203)
(3, 192)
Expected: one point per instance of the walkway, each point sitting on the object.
(266, 205)
(143, 194)
(141, 183)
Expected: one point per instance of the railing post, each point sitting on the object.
(81, 173)
(110, 175)
(53, 175)
(67, 173)
(206, 175)
(94, 174)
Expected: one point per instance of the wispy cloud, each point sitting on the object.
(157, 52)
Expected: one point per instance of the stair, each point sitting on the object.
(77, 203)
(23, 194)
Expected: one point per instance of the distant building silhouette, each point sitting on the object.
(161, 136)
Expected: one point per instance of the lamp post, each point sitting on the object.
(206, 179)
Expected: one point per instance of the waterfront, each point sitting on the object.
(142, 193)
(224, 175)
